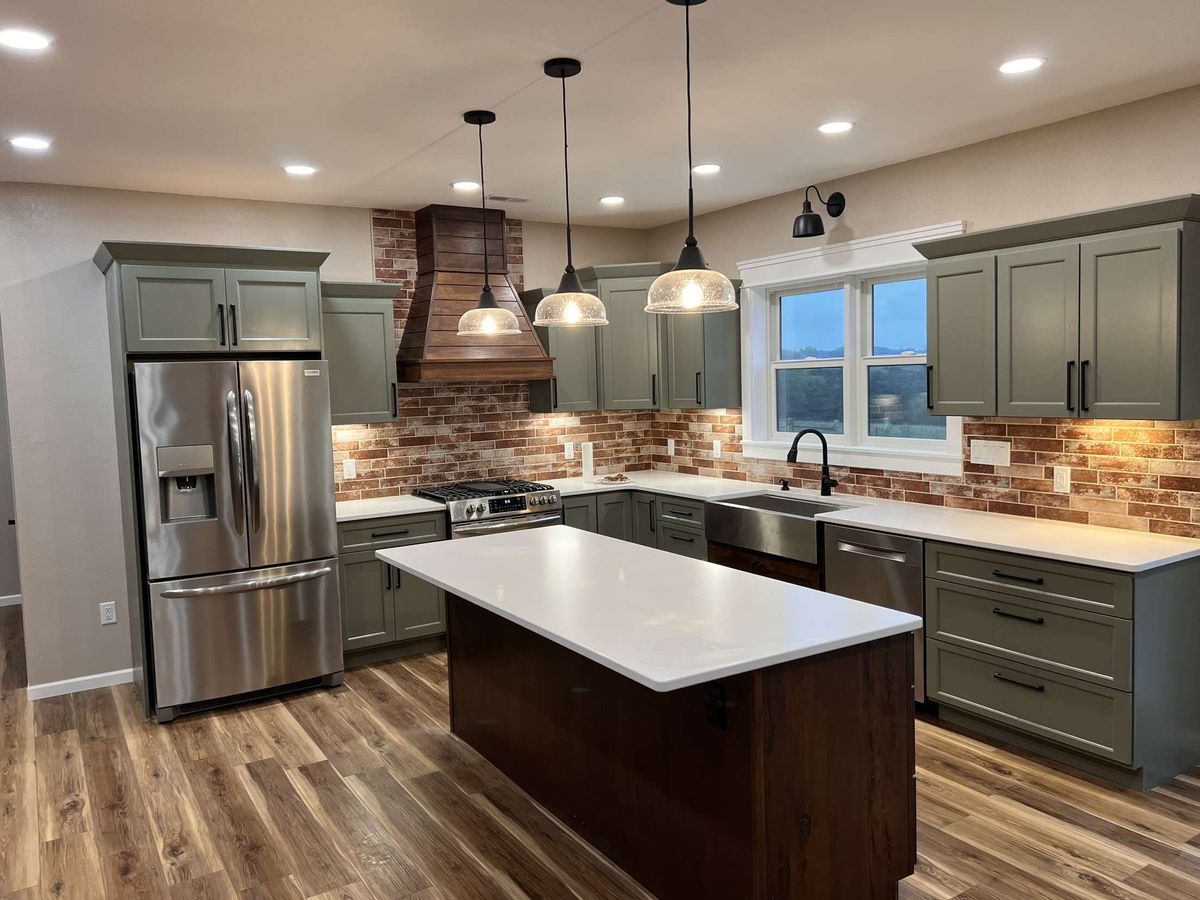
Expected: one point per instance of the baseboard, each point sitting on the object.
(75, 685)
(10, 600)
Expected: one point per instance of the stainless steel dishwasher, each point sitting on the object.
(883, 569)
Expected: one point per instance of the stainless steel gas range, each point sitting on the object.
(495, 505)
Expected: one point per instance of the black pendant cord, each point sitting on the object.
(687, 43)
(487, 286)
(567, 178)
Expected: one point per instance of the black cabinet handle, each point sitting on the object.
(683, 540)
(653, 389)
(1024, 578)
(929, 387)
(554, 391)
(395, 402)
(388, 569)
(1007, 615)
(1070, 378)
(1083, 369)
(233, 324)
(385, 534)
(221, 322)
(1000, 676)
(699, 399)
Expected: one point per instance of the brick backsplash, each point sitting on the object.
(1143, 476)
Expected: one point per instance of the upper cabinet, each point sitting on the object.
(358, 321)
(639, 360)
(188, 298)
(1091, 316)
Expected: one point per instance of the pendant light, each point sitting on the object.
(691, 287)
(487, 318)
(569, 306)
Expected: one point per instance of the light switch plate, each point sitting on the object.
(670, 446)
(716, 449)
(568, 450)
(1062, 479)
(990, 453)
(349, 469)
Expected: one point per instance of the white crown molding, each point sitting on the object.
(861, 255)
(10, 600)
(75, 685)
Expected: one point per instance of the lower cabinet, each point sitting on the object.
(644, 512)
(580, 512)
(420, 607)
(684, 541)
(614, 516)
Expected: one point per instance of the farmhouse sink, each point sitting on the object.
(778, 524)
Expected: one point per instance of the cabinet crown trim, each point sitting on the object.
(110, 252)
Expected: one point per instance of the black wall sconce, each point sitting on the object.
(808, 223)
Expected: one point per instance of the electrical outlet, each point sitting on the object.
(1062, 479)
(349, 469)
(990, 453)
(108, 613)
(568, 450)
(670, 446)
(716, 449)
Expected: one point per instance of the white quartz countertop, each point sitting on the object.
(1090, 545)
(675, 484)
(663, 620)
(378, 507)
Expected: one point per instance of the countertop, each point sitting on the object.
(1089, 545)
(378, 507)
(674, 484)
(663, 620)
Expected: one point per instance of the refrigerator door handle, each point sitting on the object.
(257, 584)
(236, 469)
(254, 461)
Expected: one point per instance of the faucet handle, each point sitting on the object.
(783, 484)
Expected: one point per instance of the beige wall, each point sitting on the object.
(546, 249)
(1140, 151)
(10, 584)
(60, 396)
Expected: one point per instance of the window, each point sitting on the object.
(849, 359)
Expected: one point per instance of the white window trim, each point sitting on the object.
(856, 262)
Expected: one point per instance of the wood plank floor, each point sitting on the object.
(362, 794)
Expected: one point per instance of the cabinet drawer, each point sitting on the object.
(1075, 713)
(395, 531)
(1081, 587)
(681, 512)
(684, 541)
(1072, 642)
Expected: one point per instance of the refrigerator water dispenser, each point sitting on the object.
(186, 483)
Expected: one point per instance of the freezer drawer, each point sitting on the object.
(223, 635)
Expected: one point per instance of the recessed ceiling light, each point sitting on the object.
(22, 39)
(612, 200)
(30, 142)
(300, 169)
(706, 169)
(465, 186)
(1022, 65)
(838, 127)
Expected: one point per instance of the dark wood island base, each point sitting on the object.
(793, 781)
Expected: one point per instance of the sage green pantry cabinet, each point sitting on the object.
(359, 328)
(191, 298)
(1097, 315)
(380, 604)
(575, 386)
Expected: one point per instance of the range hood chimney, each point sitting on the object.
(449, 278)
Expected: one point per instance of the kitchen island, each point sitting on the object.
(715, 733)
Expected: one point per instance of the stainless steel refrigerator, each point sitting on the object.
(240, 539)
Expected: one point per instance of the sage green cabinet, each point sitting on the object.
(1129, 332)
(273, 310)
(614, 515)
(174, 309)
(644, 511)
(420, 607)
(359, 339)
(629, 347)
(575, 386)
(702, 361)
(961, 310)
(580, 512)
(368, 601)
(1037, 331)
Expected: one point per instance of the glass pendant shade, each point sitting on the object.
(691, 291)
(570, 306)
(488, 319)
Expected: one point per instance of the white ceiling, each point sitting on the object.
(214, 97)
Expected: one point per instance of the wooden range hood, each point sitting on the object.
(449, 278)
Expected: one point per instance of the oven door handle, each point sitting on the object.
(507, 525)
